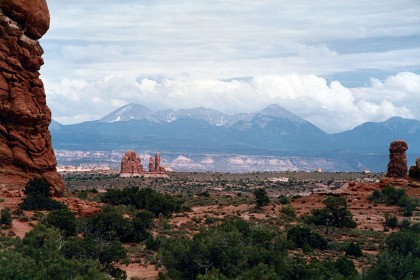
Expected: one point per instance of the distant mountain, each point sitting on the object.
(273, 131)
(132, 112)
(372, 137)
(128, 113)
(55, 125)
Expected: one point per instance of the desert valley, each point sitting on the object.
(196, 193)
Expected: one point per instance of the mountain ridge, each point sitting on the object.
(134, 111)
(273, 131)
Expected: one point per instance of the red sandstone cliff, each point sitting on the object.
(25, 142)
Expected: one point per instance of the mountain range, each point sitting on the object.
(273, 131)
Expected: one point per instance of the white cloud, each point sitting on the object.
(102, 54)
(332, 107)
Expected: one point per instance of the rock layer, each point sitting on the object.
(397, 166)
(25, 142)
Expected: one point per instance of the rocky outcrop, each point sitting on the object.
(25, 142)
(131, 165)
(151, 164)
(158, 167)
(82, 207)
(414, 171)
(397, 166)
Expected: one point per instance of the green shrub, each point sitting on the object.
(157, 203)
(303, 237)
(5, 218)
(400, 259)
(334, 214)
(38, 196)
(38, 256)
(141, 223)
(106, 251)
(288, 211)
(408, 205)
(392, 195)
(261, 197)
(37, 202)
(391, 221)
(376, 197)
(63, 219)
(283, 199)
(152, 243)
(345, 267)
(37, 186)
(353, 249)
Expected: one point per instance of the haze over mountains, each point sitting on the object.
(207, 139)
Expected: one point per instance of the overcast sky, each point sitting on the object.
(334, 63)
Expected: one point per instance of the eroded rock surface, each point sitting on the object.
(397, 166)
(131, 165)
(414, 172)
(25, 142)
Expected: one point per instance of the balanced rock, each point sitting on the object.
(25, 142)
(397, 166)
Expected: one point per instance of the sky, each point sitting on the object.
(336, 64)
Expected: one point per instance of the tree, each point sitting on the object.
(141, 223)
(261, 197)
(38, 196)
(64, 220)
(345, 267)
(335, 213)
(339, 215)
(390, 220)
(303, 237)
(38, 256)
(5, 218)
(353, 249)
(37, 186)
(149, 199)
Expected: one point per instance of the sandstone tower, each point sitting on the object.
(131, 165)
(397, 166)
(25, 141)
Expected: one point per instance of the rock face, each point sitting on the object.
(25, 142)
(157, 162)
(152, 164)
(414, 172)
(158, 168)
(397, 166)
(131, 165)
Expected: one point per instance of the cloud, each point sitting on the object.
(331, 106)
(100, 55)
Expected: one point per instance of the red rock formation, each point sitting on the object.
(131, 165)
(397, 166)
(157, 162)
(414, 172)
(25, 142)
(82, 207)
(151, 165)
